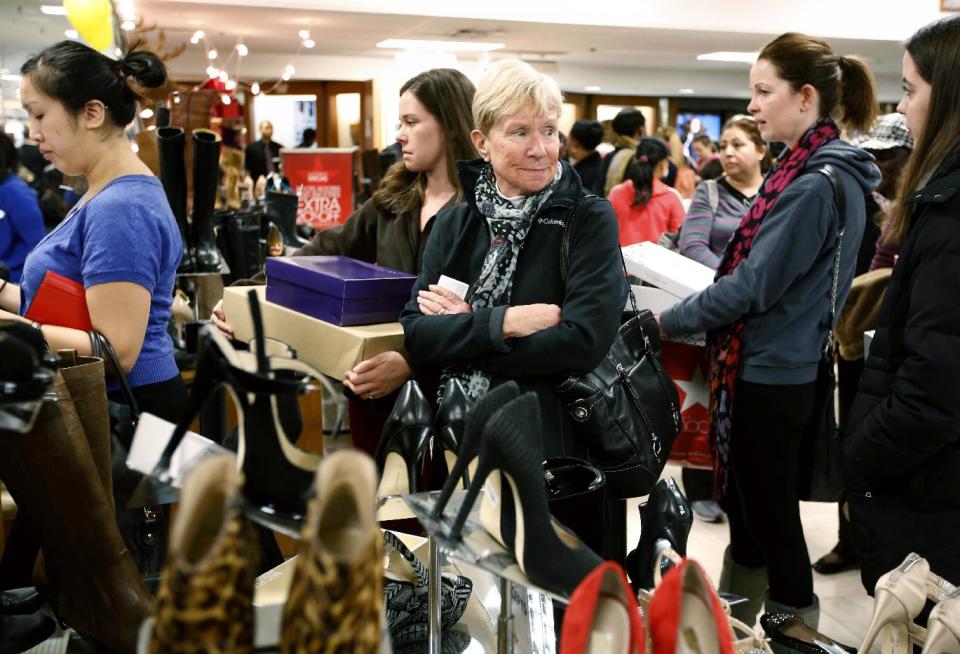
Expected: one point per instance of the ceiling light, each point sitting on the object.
(212, 72)
(212, 54)
(230, 85)
(290, 70)
(304, 34)
(7, 77)
(197, 37)
(686, 91)
(128, 26)
(255, 88)
(224, 98)
(146, 113)
(736, 57)
(54, 10)
(71, 34)
(223, 76)
(242, 50)
(590, 89)
(286, 77)
(448, 46)
(309, 43)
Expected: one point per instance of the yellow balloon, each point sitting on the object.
(92, 20)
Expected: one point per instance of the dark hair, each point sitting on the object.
(74, 74)
(650, 152)
(748, 125)
(588, 133)
(309, 136)
(843, 81)
(448, 95)
(8, 156)
(628, 121)
(935, 50)
(703, 139)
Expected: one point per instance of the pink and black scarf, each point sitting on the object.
(725, 343)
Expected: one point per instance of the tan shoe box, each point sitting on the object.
(330, 349)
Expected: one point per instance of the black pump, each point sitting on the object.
(450, 423)
(511, 457)
(403, 442)
(666, 518)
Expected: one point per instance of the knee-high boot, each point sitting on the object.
(51, 473)
(173, 176)
(206, 178)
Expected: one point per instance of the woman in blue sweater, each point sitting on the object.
(21, 223)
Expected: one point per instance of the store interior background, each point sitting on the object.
(605, 54)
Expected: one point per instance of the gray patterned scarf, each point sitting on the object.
(509, 225)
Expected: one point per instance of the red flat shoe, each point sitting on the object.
(686, 616)
(603, 616)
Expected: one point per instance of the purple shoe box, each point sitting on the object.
(338, 290)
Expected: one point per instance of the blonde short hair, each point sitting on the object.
(508, 86)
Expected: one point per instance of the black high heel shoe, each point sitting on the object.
(406, 435)
(666, 518)
(511, 451)
(476, 420)
(450, 424)
(278, 476)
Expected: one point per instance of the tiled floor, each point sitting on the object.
(845, 607)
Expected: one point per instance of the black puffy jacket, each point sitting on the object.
(591, 304)
(903, 437)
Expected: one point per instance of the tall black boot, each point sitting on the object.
(281, 210)
(206, 178)
(173, 176)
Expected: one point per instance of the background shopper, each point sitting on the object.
(767, 313)
(902, 451)
(646, 208)
(21, 222)
(391, 228)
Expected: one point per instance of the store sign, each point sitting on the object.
(323, 180)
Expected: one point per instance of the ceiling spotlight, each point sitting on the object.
(286, 76)
(736, 57)
(212, 72)
(304, 34)
(176, 98)
(212, 54)
(197, 37)
(591, 89)
(223, 76)
(128, 26)
(290, 70)
(686, 91)
(71, 34)
(255, 88)
(309, 43)
(439, 46)
(230, 85)
(10, 77)
(146, 113)
(54, 10)
(224, 98)
(242, 50)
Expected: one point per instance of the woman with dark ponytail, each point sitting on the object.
(646, 208)
(768, 313)
(902, 445)
(122, 244)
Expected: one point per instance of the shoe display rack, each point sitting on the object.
(479, 549)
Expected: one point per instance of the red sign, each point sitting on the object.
(689, 369)
(323, 180)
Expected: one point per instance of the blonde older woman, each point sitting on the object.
(519, 321)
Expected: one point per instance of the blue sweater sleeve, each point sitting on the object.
(786, 246)
(122, 242)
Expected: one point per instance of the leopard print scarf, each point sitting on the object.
(509, 225)
(725, 343)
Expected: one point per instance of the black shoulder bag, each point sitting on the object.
(821, 449)
(625, 410)
(143, 529)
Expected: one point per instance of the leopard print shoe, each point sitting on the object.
(335, 604)
(205, 600)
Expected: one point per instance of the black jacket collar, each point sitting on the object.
(944, 186)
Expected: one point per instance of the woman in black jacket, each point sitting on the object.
(902, 453)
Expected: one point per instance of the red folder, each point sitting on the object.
(60, 301)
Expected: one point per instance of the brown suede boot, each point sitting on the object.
(51, 474)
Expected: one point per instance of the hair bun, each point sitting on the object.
(145, 67)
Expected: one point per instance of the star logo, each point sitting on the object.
(694, 391)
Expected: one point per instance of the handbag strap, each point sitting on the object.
(829, 172)
(102, 348)
(586, 199)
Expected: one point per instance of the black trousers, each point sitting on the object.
(762, 503)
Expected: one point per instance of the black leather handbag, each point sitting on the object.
(626, 411)
(576, 494)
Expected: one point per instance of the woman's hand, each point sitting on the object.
(378, 376)
(528, 319)
(219, 320)
(438, 301)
